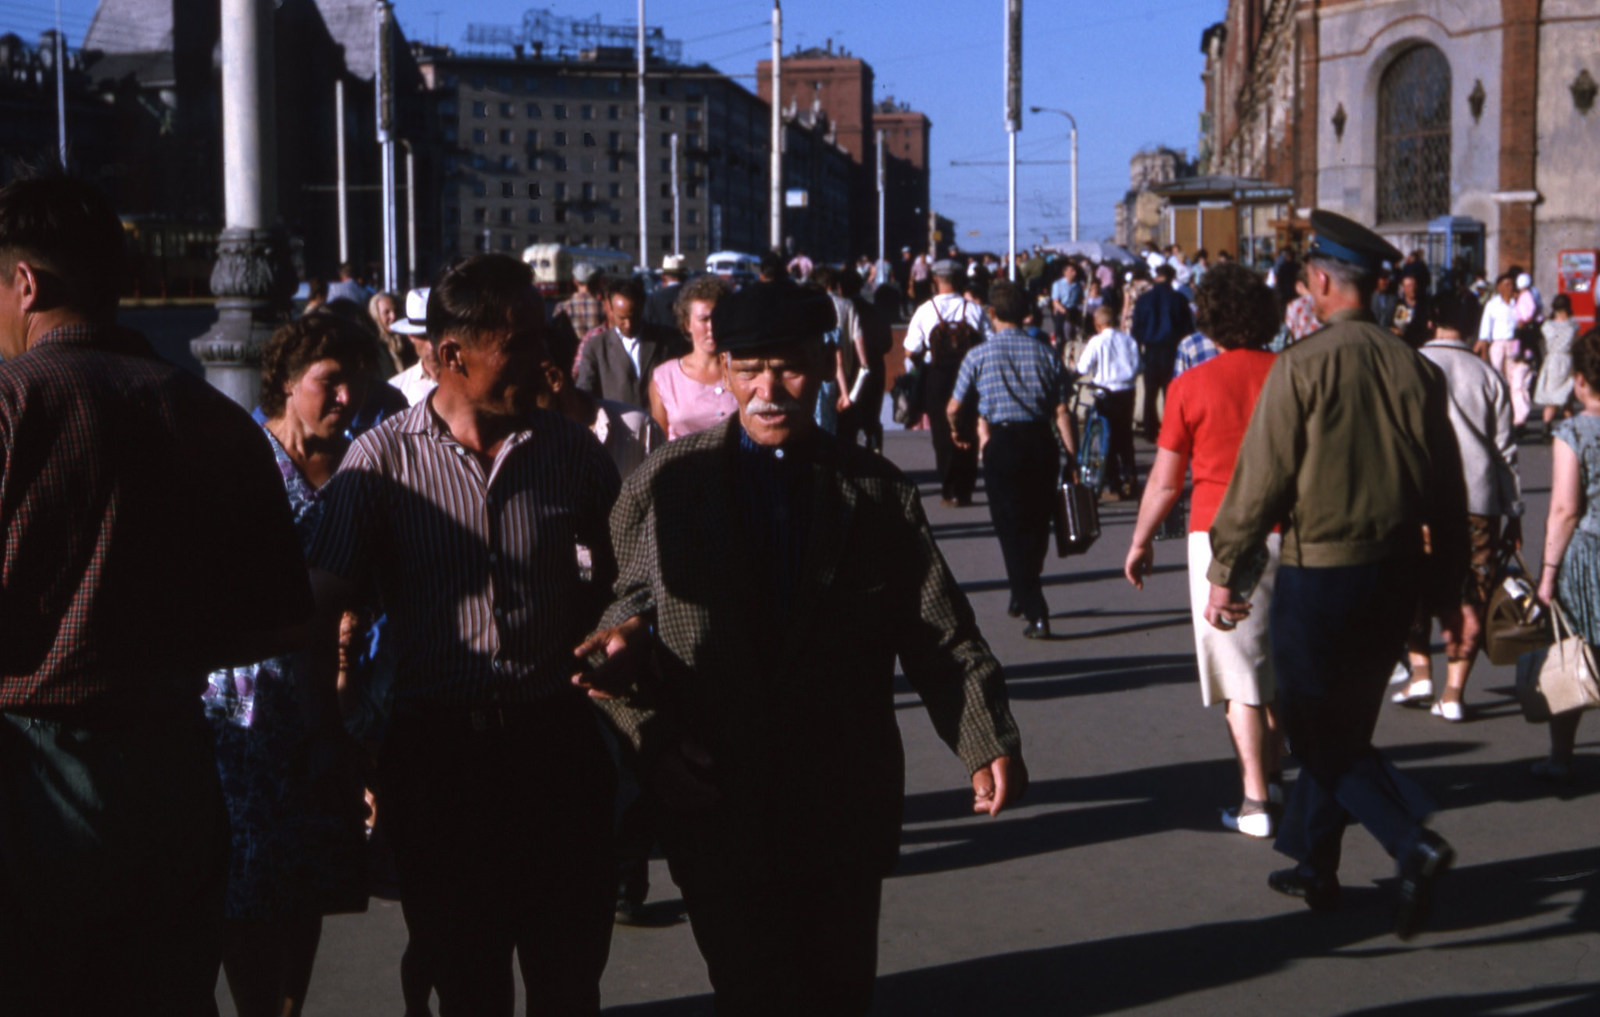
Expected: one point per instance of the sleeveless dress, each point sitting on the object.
(290, 854)
(691, 406)
(1578, 584)
(1554, 386)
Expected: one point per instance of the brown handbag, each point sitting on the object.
(1516, 623)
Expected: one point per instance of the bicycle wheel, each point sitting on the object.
(1092, 452)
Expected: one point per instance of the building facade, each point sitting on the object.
(1139, 215)
(1425, 118)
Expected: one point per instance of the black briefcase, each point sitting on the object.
(1077, 513)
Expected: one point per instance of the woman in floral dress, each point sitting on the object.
(295, 810)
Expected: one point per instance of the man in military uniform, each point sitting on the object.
(1351, 451)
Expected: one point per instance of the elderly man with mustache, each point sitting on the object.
(771, 576)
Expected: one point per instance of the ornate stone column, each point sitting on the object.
(254, 277)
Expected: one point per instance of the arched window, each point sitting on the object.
(1414, 137)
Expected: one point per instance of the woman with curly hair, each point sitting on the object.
(298, 849)
(1208, 411)
(688, 394)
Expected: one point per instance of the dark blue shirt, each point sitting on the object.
(775, 503)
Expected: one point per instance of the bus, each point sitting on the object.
(735, 267)
(552, 266)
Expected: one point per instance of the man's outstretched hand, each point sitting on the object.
(1001, 783)
(625, 646)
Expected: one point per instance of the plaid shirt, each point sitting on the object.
(1194, 350)
(585, 312)
(1019, 379)
(795, 703)
(481, 568)
(146, 529)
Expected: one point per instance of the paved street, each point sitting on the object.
(1113, 889)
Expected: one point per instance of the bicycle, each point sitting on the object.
(1094, 442)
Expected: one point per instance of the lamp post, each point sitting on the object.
(1074, 136)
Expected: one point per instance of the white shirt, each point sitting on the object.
(950, 307)
(1110, 360)
(1499, 320)
(627, 432)
(414, 384)
(630, 346)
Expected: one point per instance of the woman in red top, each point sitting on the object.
(1208, 410)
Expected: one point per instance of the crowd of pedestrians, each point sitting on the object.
(518, 593)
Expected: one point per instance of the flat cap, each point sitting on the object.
(947, 269)
(583, 271)
(767, 314)
(1348, 241)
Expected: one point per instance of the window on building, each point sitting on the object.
(615, 189)
(614, 86)
(586, 86)
(693, 215)
(505, 242)
(506, 134)
(479, 136)
(535, 215)
(666, 112)
(666, 216)
(588, 192)
(615, 165)
(616, 216)
(561, 191)
(535, 164)
(691, 243)
(613, 141)
(533, 110)
(666, 164)
(561, 86)
(447, 107)
(1414, 137)
(479, 215)
(561, 164)
(479, 188)
(666, 189)
(480, 110)
(586, 112)
(477, 81)
(666, 243)
(588, 139)
(508, 164)
(561, 214)
(561, 139)
(532, 138)
(451, 81)
(694, 141)
(480, 243)
(588, 217)
(508, 109)
(508, 189)
(561, 111)
(666, 139)
(530, 84)
(613, 112)
(535, 190)
(692, 114)
(448, 133)
(505, 216)
(663, 87)
(693, 190)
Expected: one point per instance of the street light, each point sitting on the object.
(1072, 120)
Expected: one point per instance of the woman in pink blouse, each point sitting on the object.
(688, 394)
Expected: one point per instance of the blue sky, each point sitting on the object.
(1129, 71)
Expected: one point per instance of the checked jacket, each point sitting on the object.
(797, 711)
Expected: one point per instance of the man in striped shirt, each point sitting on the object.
(480, 522)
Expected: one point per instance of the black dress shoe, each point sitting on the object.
(1426, 861)
(1321, 893)
(1037, 629)
(1014, 609)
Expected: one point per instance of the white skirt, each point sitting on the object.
(1236, 664)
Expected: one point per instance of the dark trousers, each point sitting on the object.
(113, 863)
(1336, 633)
(797, 948)
(1020, 468)
(503, 842)
(1121, 473)
(958, 467)
(864, 415)
(1159, 363)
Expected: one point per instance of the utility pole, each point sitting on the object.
(384, 89)
(411, 215)
(677, 230)
(644, 218)
(882, 158)
(61, 88)
(344, 197)
(1013, 77)
(776, 232)
(1074, 160)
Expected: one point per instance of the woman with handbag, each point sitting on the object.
(1570, 577)
(1208, 411)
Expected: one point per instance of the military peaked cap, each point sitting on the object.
(1348, 241)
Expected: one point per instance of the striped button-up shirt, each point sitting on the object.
(489, 575)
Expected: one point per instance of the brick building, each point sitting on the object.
(1417, 116)
(840, 85)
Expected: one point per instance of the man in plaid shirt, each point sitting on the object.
(147, 541)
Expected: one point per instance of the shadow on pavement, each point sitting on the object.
(1062, 578)
(1126, 972)
(1082, 676)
